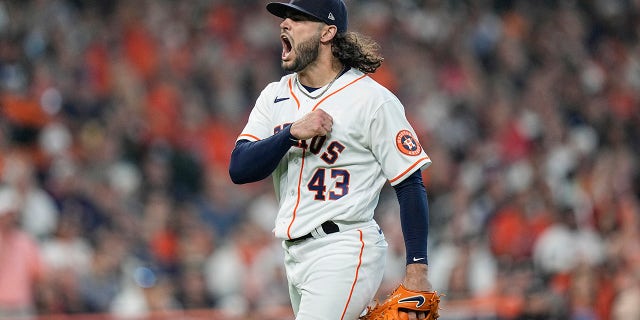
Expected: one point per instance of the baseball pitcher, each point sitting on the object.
(331, 137)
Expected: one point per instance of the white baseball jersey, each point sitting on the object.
(339, 176)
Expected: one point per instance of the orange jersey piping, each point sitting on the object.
(332, 93)
(408, 169)
(293, 94)
(295, 209)
(355, 279)
(248, 136)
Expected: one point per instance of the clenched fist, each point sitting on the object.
(315, 123)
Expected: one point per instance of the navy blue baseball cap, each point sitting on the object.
(331, 12)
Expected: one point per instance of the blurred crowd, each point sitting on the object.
(117, 119)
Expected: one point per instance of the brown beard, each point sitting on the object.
(306, 53)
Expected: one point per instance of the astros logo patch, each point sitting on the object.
(407, 144)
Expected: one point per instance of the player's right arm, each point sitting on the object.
(253, 161)
(263, 141)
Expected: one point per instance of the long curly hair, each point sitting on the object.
(357, 51)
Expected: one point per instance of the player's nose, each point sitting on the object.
(286, 24)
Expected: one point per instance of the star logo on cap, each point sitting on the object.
(331, 17)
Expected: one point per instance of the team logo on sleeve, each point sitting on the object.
(407, 144)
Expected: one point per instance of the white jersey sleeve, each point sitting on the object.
(260, 123)
(395, 143)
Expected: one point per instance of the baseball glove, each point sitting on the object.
(405, 300)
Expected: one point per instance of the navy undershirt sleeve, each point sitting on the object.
(255, 160)
(414, 217)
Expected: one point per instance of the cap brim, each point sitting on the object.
(279, 9)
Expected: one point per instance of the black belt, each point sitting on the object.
(328, 227)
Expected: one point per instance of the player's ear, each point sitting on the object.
(328, 33)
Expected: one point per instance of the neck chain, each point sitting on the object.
(304, 91)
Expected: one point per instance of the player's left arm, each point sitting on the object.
(402, 160)
(414, 220)
(414, 217)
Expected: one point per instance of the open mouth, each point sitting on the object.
(286, 46)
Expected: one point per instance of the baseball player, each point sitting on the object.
(331, 137)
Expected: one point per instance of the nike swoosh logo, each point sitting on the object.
(419, 300)
(280, 99)
(417, 259)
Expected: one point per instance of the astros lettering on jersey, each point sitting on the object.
(371, 143)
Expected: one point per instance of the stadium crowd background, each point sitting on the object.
(118, 118)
